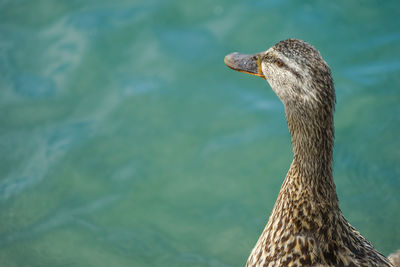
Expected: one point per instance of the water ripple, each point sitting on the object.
(61, 217)
(50, 146)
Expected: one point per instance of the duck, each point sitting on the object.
(306, 226)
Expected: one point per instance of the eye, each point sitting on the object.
(279, 62)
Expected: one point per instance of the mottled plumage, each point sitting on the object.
(306, 226)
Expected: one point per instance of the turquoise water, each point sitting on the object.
(126, 141)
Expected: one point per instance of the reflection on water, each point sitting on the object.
(126, 141)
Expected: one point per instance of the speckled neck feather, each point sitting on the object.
(306, 226)
(312, 142)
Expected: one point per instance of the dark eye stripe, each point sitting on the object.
(295, 73)
(274, 60)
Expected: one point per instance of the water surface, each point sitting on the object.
(125, 141)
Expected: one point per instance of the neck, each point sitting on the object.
(312, 140)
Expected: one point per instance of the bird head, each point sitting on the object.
(295, 71)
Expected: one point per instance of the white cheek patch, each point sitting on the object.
(295, 67)
(284, 82)
(279, 80)
(273, 77)
(308, 95)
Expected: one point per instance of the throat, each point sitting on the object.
(312, 142)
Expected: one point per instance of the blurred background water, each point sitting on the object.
(126, 141)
